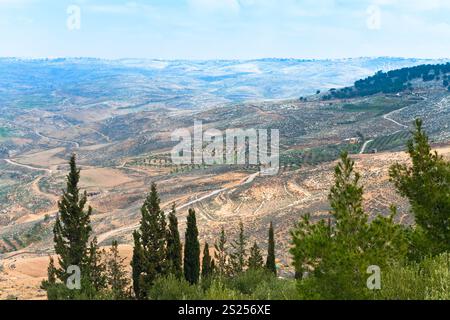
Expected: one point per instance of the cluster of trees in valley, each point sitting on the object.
(331, 258)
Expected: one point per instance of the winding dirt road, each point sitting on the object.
(363, 149)
(102, 237)
(12, 162)
(74, 143)
(387, 117)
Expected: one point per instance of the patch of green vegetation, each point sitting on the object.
(391, 82)
(4, 192)
(367, 107)
(425, 280)
(378, 106)
(317, 155)
(18, 241)
(4, 132)
(36, 101)
(251, 284)
(11, 246)
(390, 142)
(36, 233)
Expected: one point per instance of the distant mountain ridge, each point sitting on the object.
(179, 83)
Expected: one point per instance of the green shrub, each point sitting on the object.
(402, 283)
(427, 280)
(59, 291)
(171, 288)
(437, 273)
(276, 289)
(248, 281)
(219, 291)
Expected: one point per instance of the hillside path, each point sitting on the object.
(363, 149)
(102, 237)
(12, 162)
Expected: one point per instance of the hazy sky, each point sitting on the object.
(225, 29)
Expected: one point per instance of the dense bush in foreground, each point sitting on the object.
(426, 280)
(249, 285)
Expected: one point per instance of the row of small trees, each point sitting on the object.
(157, 252)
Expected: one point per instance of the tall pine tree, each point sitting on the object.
(116, 274)
(207, 262)
(174, 247)
(221, 254)
(51, 279)
(72, 227)
(97, 277)
(191, 250)
(137, 266)
(255, 260)
(239, 254)
(426, 184)
(270, 262)
(336, 252)
(150, 245)
(71, 234)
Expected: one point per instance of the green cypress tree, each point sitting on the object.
(191, 250)
(51, 272)
(151, 261)
(221, 254)
(207, 262)
(174, 247)
(270, 262)
(72, 228)
(137, 266)
(239, 254)
(255, 260)
(51, 277)
(346, 200)
(116, 274)
(426, 184)
(96, 277)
